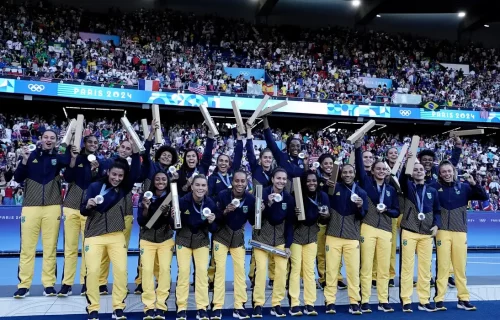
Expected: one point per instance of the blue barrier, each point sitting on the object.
(247, 103)
(483, 231)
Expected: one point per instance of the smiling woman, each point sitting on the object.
(40, 172)
(276, 231)
(193, 242)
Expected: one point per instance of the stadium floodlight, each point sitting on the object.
(379, 16)
(486, 25)
(461, 14)
(356, 3)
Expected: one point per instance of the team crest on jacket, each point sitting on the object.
(283, 206)
(429, 195)
(216, 247)
(457, 191)
(54, 162)
(434, 176)
(187, 212)
(439, 243)
(387, 193)
(245, 209)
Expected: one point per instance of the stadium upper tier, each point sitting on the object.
(184, 52)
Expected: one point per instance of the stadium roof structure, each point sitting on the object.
(414, 15)
(478, 12)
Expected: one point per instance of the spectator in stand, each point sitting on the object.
(184, 51)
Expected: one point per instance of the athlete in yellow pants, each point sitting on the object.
(270, 270)
(276, 231)
(280, 267)
(184, 255)
(103, 278)
(84, 168)
(350, 250)
(321, 260)
(34, 219)
(41, 212)
(324, 173)
(348, 207)
(192, 241)
(125, 150)
(74, 226)
(156, 243)
(451, 240)
(103, 207)
(234, 207)
(302, 259)
(164, 157)
(455, 243)
(304, 247)
(240, 293)
(392, 266)
(422, 244)
(150, 253)
(421, 219)
(138, 278)
(114, 244)
(376, 231)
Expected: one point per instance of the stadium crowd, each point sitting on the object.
(182, 50)
(478, 158)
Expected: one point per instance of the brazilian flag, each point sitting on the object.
(431, 106)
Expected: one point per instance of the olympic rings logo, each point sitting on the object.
(405, 113)
(36, 87)
(243, 73)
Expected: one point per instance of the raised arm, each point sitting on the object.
(358, 163)
(271, 144)
(252, 160)
(457, 151)
(238, 154)
(146, 160)
(206, 159)
(135, 172)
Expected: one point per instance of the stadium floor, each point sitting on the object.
(483, 276)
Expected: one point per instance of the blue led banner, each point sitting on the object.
(246, 72)
(375, 82)
(224, 102)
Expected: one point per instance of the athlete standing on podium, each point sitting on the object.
(40, 171)
(83, 169)
(276, 231)
(104, 206)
